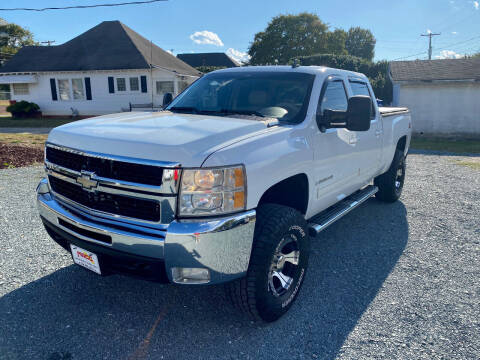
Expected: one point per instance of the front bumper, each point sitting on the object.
(221, 245)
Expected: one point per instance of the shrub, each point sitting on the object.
(23, 109)
(207, 69)
(377, 72)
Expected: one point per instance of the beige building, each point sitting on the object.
(443, 95)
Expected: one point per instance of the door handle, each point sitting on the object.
(378, 132)
(352, 140)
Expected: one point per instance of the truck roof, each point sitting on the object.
(315, 70)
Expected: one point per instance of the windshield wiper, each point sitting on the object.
(193, 110)
(240, 112)
(184, 109)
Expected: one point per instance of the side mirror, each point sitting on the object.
(167, 99)
(359, 113)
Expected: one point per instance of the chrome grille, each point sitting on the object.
(110, 203)
(119, 188)
(107, 168)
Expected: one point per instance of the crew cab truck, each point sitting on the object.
(228, 184)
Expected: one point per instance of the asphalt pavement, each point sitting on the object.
(388, 281)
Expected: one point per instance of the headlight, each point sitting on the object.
(212, 191)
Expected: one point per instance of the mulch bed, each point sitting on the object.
(15, 155)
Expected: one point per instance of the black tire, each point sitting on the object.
(390, 184)
(261, 294)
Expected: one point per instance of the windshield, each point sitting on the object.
(281, 95)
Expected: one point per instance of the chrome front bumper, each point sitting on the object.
(221, 245)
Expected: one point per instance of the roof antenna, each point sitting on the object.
(295, 63)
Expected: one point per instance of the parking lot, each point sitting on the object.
(388, 281)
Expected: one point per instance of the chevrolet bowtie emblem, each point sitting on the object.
(85, 179)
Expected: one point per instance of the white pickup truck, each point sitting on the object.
(228, 184)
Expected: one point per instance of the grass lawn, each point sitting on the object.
(449, 145)
(473, 163)
(33, 123)
(23, 139)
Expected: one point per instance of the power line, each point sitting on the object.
(84, 6)
(442, 48)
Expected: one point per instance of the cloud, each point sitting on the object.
(454, 33)
(476, 5)
(206, 38)
(237, 55)
(449, 54)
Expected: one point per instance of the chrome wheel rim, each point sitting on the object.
(284, 263)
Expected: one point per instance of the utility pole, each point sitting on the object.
(48, 42)
(430, 34)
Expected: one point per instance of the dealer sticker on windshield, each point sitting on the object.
(85, 258)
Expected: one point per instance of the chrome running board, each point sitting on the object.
(329, 216)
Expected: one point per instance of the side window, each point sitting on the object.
(334, 97)
(361, 88)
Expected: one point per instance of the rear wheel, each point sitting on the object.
(390, 184)
(278, 264)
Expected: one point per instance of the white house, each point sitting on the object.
(443, 95)
(100, 71)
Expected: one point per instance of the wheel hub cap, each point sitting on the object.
(283, 266)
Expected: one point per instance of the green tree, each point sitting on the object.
(13, 37)
(361, 43)
(336, 42)
(287, 37)
(377, 72)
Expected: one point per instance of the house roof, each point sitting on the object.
(110, 45)
(208, 59)
(428, 70)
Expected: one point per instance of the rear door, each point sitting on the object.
(368, 144)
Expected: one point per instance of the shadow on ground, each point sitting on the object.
(74, 314)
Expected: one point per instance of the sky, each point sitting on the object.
(186, 26)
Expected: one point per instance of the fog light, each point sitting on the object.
(190, 275)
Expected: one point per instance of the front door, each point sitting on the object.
(334, 165)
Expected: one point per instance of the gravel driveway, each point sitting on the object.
(388, 281)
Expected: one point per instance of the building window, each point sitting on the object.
(182, 85)
(164, 87)
(121, 84)
(64, 89)
(20, 89)
(78, 91)
(134, 84)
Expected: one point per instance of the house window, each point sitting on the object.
(121, 84)
(164, 87)
(78, 91)
(134, 84)
(20, 89)
(64, 89)
(182, 85)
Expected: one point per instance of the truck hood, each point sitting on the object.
(161, 136)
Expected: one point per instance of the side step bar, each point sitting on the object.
(329, 216)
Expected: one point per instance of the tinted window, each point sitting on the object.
(283, 95)
(360, 88)
(334, 97)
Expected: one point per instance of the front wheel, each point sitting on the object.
(278, 264)
(390, 184)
